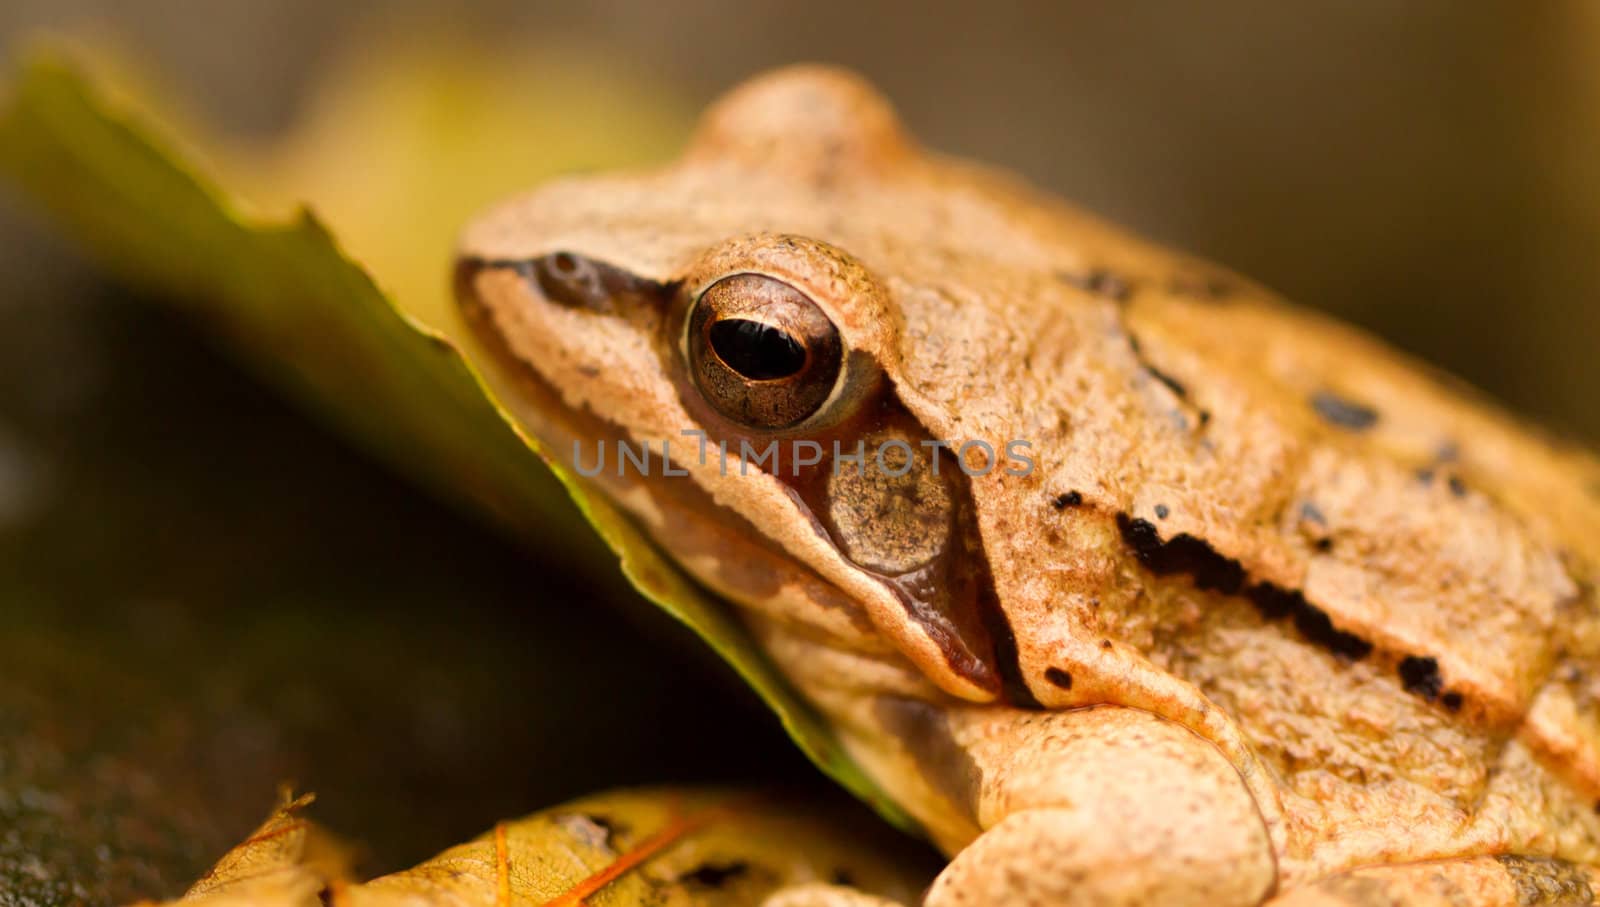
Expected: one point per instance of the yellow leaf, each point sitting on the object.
(657, 846)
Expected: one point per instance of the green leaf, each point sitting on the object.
(307, 315)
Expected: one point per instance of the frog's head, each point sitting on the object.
(778, 292)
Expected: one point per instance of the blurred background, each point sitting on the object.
(203, 593)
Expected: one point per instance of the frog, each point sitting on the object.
(1129, 580)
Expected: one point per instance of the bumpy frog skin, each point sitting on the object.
(1276, 615)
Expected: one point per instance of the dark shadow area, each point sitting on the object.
(205, 596)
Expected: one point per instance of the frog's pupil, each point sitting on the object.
(759, 352)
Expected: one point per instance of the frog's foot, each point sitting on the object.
(1467, 882)
(819, 894)
(1104, 806)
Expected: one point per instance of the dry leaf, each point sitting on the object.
(650, 846)
(288, 861)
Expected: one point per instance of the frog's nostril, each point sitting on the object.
(564, 263)
(572, 280)
(566, 279)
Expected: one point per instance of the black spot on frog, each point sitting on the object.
(1420, 675)
(1194, 557)
(1058, 677)
(1063, 501)
(1343, 412)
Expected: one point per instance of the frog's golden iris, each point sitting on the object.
(762, 353)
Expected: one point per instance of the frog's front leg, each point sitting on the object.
(1103, 806)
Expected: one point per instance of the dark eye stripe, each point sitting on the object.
(759, 352)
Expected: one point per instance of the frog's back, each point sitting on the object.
(1385, 581)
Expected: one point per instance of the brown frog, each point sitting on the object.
(1131, 582)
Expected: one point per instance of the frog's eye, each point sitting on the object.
(761, 352)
